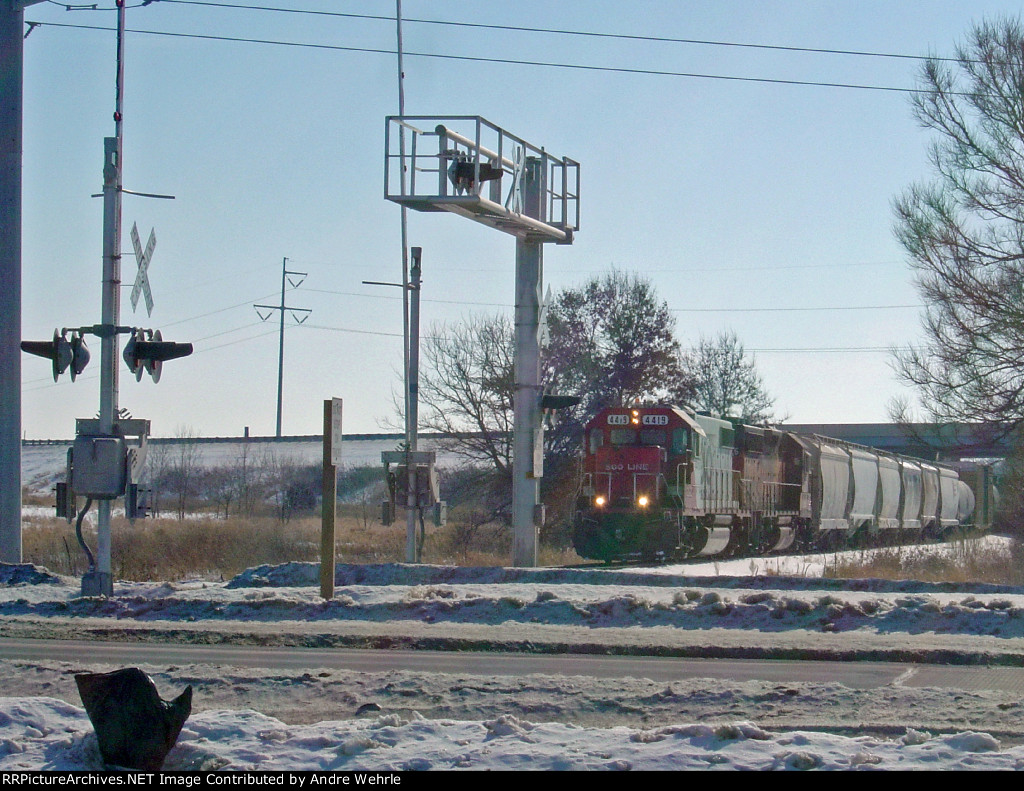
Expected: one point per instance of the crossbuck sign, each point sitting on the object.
(142, 278)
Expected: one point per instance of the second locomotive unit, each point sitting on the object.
(663, 482)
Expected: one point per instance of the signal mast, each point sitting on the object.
(101, 465)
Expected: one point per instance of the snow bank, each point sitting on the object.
(44, 733)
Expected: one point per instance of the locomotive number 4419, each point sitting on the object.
(654, 420)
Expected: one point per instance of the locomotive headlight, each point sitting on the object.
(599, 501)
(642, 501)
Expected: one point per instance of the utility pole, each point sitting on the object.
(410, 391)
(413, 549)
(103, 581)
(285, 279)
(12, 23)
(411, 457)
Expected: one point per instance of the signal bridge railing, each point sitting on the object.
(469, 166)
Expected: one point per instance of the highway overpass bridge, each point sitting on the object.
(952, 442)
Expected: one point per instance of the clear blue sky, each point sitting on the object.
(732, 196)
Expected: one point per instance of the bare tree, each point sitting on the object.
(157, 464)
(725, 381)
(611, 341)
(964, 233)
(249, 474)
(466, 386)
(183, 467)
(219, 485)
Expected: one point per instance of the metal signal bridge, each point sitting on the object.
(448, 170)
(469, 166)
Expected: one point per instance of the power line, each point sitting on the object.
(788, 309)
(824, 349)
(802, 308)
(702, 270)
(506, 61)
(567, 32)
(219, 310)
(422, 299)
(355, 332)
(767, 350)
(228, 332)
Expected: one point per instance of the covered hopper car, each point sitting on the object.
(663, 482)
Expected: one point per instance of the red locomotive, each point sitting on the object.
(662, 482)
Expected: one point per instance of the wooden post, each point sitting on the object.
(329, 496)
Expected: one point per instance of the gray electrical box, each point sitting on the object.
(424, 479)
(99, 467)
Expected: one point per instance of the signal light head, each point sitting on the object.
(58, 352)
(131, 355)
(142, 355)
(79, 354)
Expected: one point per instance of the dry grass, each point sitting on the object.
(211, 548)
(965, 560)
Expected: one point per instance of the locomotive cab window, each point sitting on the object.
(726, 437)
(596, 439)
(622, 436)
(680, 441)
(654, 436)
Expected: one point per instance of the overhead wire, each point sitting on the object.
(531, 63)
(786, 349)
(554, 31)
(755, 309)
(504, 61)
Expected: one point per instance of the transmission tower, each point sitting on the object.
(286, 279)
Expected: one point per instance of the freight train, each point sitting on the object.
(662, 482)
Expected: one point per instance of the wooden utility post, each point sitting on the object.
(329, 494)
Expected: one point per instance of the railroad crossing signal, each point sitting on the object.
(149, 355)
(142, 278)
(63, 353)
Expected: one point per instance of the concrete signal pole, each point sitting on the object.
(527, 427)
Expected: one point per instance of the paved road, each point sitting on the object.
(857, 675)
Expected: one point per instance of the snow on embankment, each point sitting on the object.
(44, 733)
(308, 574)
(554, 610)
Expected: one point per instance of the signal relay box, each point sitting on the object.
(99, 467)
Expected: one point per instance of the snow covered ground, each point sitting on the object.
(328, 718)
(50, 734)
